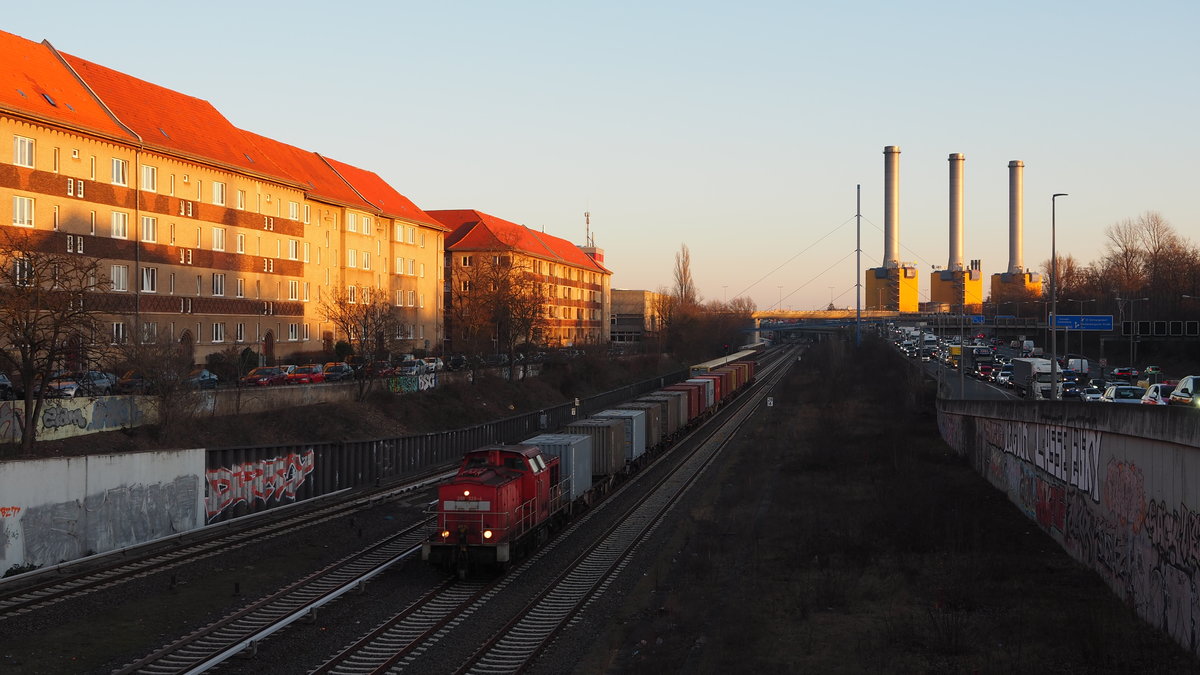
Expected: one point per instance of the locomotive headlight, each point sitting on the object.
(466, 493)
(445, 534)
(487, 534)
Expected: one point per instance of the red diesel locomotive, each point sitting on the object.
(503, 501)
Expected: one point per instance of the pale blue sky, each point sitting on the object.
(740, 129)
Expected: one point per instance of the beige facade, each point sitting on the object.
(636, 315)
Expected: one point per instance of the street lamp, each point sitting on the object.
(1054, 392)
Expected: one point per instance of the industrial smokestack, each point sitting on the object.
(1016, 211)
(891, 206)
(956, 212)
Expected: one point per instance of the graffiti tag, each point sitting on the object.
(275, 479)
(1068, 454)
(55, 417)
(9, 511)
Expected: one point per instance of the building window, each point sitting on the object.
(366, 295)
(366, 225)
(150, 178)
(149, 229)
(306, 251)
(466, 286)
(467, 260)
(218, 332)
(23, 211)
(422, 270)
(422, 246)
(120, 277)
(22, 271)
(352, 295)
(218, 284)
(218, 239)
(241, 288)
(120, 225)
(293, 249)
(149, 280)
(240, 333)
(366, 260)
(241, 243)
(218, 193)
(293, 331)
(412, 267)
(118, 333)
(120, 172)
(351, 258)
(241, 201)
(149, 331)
(23, 151)
(307, 214)
(294, 210)
(306, 294)
(293, 290)
(412, 235)
(399, 265)
(412, 298)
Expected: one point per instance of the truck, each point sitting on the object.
(955, 355)
(974, 356)
(1031, 377)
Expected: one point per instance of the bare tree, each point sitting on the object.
(685, 286)
(49, 314)
(368, 322)
(1123, 257)
(526, 308)
(164, 364)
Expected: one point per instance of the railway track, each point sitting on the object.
(52, 586)
(243, 629)
(534, 628)
(398, 643)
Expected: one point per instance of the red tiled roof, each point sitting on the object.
(308, 169)
(168, 119)
(378, 192)
(33, 80)
(477, 231)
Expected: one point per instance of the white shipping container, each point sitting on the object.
(709, 391)
(574, 453)
(635, 430)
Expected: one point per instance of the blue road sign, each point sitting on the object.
(1102, 322)
(976, 318)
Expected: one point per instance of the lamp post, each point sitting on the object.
(1054, 392)
(1133, 332)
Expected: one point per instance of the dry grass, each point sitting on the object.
(855, 541)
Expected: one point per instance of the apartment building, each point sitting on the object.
(212, 236)
(575, 283)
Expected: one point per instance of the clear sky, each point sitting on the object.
(738, 129)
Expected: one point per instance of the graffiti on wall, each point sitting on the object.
(1069, 454)
(274, 479)
(409, 383)
(64, 418)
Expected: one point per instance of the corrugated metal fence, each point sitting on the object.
(250, 479)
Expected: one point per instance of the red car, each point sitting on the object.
(264, 376)
(310, 373)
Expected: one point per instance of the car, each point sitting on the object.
(1158, 394)
(1185, 392)
(309, 373)
(81, 383)
(1003, 377)
(411, 366)
(984, 371)
(1090, 394)
(380, 369)
(7, 391)
(456, 362)
(1152, 370)
(336, 371)
(200, 378)
(1125, 373)
(1069, 390)
(1123, 393)
(287, 369)
(433, 364)
(264, 376)
(132, 382)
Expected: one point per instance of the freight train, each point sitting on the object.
(507, 500)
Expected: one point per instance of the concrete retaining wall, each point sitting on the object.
(55, 510)
(1117, 486)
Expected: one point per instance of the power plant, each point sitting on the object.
(893, 286)
(957, 286)
(1017, 283)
